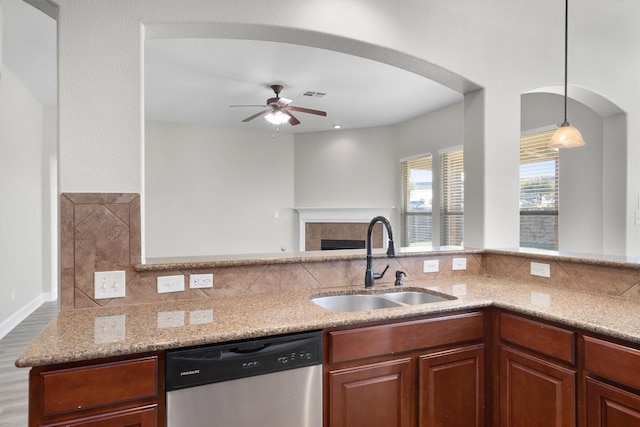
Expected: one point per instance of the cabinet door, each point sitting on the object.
(535, 392)
(451, 388)
(138, 417)
(609, 406)
(377, 395)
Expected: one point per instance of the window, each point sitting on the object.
(538, 192)
(452, 198)
(417, 183)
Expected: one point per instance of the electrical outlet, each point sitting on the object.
(201, 281)
(170, 283)
(540, 269)
(109, 284)
(459, 264)
(431, 266)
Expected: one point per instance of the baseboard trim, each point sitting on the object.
(22, 313)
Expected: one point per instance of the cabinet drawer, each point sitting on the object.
(371, 341)
(537, 336)
(94, 386)
(613, 361)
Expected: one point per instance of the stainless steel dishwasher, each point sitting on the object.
(267, 382)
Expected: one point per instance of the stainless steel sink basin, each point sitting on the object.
(414, 297)
(363, 302)
(354, 302)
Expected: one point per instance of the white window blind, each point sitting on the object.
(417, 196)
(452, 198)
(539, 185)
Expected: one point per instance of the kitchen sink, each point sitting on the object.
(415, 297)
(354, 302)
(369, 301)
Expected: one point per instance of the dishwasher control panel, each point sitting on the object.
(189, 367)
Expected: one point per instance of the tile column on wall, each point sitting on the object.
(98, 232)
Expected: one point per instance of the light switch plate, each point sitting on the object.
(109, 284)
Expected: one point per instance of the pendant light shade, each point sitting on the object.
(566, 136)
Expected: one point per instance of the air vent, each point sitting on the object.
(313, 94)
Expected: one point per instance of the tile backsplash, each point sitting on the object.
(102, 232)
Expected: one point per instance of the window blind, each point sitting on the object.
(417, 196)
(452, 198)
(539, 184)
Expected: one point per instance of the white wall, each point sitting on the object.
(346, 168)
(212, 191)
(21, 124)
(200, 201)
(100, 46)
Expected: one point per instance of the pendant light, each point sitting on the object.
(566, 136)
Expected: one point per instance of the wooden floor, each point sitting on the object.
(14, 388)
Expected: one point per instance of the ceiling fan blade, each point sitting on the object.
(282, 102)
(292, 119)
(261, 113)
(307, 110)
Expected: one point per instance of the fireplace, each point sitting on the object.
(336, 244)
(340, 228)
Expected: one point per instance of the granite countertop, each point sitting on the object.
(86, 334)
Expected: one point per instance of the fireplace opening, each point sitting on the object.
(334, 244)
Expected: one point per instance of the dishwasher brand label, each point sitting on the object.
(188, 373)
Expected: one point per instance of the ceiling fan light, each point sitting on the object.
(566, 137)
(277, 117)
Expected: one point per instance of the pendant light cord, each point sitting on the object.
(566, 49)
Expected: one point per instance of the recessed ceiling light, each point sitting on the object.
(337, 126)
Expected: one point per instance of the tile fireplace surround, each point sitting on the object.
(102, 232)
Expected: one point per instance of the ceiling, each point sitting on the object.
(196, 80)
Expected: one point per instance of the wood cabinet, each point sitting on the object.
(427, 372)
(373, 395)
(537, 385)
(116, 392)
(612, 384)
(451, 387)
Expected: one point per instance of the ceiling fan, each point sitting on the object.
(278, 109)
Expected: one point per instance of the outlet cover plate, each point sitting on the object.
(170, 283)
(197, 281)
(459, 264)
(431, 266)
(109, 284)
(540, 269)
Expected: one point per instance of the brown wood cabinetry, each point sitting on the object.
(427, 372)
(537, 386)
(612, 384)
(109, 393)
(451, 387)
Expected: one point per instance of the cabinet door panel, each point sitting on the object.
(377, 395)
(534, 392)
(140, 417)
(609, 406)
(451, 388)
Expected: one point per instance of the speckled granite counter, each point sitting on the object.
(85, 334)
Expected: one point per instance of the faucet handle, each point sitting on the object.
(380, 275)
(399, 275)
